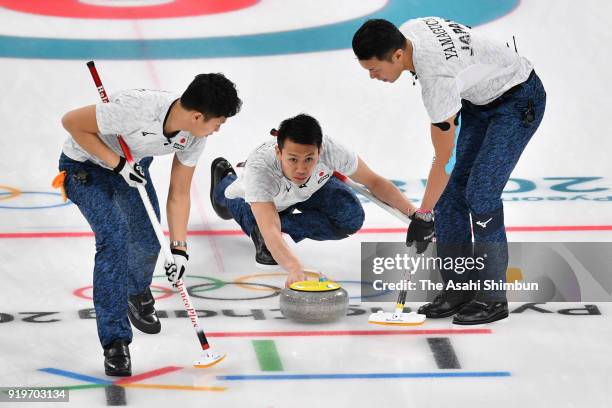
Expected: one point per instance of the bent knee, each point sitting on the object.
(352, 221)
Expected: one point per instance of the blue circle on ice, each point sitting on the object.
(327, 37)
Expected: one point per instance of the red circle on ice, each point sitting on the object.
(134, 9)
(321, 174)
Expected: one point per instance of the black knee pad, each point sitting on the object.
(485, 224)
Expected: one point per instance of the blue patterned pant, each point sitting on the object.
(332, 212)
(126, 245)
(490, 143)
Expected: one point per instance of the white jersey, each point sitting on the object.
(139, 115)
(454, 63)
(263, 180)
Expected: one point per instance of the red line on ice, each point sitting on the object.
(148, 374)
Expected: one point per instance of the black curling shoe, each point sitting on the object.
(262, 254)
(446, 303)
(142, 314)
(480, 312)
(218, 170)
(117, 361)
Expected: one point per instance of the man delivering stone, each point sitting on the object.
(295, 172)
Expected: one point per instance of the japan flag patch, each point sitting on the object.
(180, 144)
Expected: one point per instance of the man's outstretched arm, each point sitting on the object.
(269, 225)
(382, 188)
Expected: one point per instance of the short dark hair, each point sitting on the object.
(212, 95)
(300, 129)
(377, 38)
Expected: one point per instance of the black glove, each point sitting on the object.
(420, 231)
(133, 175)
(175, 271)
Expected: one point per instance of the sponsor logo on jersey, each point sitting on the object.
(323, 177)
(148, 133)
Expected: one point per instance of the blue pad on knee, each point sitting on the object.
(485, 224)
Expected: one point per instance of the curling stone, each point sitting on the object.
(314, 301)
